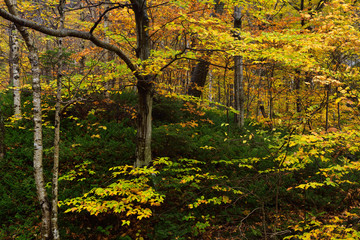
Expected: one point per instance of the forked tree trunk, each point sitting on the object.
(38, 141)
(145, 81)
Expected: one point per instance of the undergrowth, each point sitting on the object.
(208, 180)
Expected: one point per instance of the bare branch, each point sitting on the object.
(104, 13)
(72, 33)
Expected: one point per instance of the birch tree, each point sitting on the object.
(55, 172)
(145, 81)
(15, 68)
(38, 140)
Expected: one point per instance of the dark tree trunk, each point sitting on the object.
(328, 89)
(2, 136)
(200, 71)
(145, 87)
(198, 78)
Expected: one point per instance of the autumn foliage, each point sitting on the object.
(291, 172)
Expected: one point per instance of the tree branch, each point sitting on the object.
(72, 33)
(104, 13)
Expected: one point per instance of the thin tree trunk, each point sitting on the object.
(328, 89)
(38, 141)
(11, 26)
(297, 92)
(2, 136)
(55, 171)
(110, 83)
(339, 116)
(15, 68)
(238, 74)
(210, 86)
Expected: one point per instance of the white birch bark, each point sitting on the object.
(15, 68)
(38, 140)
(145, 84)
(55, 171)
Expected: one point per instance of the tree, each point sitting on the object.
(238, 73)
(144, 81)
(200, 71)
(15, 68)
(2, 136)
(38, 144)
(55, 171)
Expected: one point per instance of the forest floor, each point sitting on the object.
(208, 180)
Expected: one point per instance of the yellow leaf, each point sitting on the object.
(226, 199)
(125, 222)
(95, 136)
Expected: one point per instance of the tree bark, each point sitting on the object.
(328, 89)
(200, 71)
(144, 82)
(238, 73)
(38, 141)
(144, 120)
(2, 136)
(15, 69)
(145, 87)
(198, 78)
(55, 177)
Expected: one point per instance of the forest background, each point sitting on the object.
(179, 119)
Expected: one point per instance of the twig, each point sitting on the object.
(242, 220)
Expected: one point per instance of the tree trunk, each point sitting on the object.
(238, 74)
(2, 136)
(108, 55)
(145, 82)
(200, 71)
(38, 141)
(145, 87)
(55, 171)
(210, 86)
(328, 89)
(15, 68)
(144, 118)
(297, 92)
(198, 78)
(55, 178)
